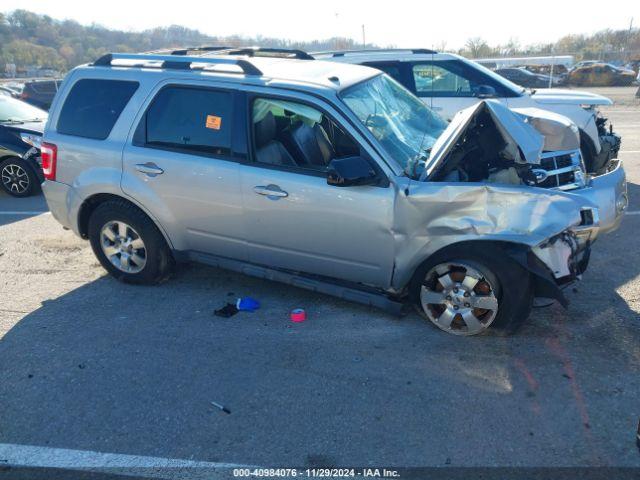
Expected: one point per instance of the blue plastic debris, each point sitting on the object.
(247, 304)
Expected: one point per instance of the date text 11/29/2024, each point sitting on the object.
(316, 472)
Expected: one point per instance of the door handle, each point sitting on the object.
(149, 168)
(271, 191)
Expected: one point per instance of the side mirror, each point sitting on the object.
(485, 91)
(350, 171)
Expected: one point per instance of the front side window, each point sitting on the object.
(296, 136)
(189, 120)
(459, 78)
(405, 127)
(93, 106)
(433, 80)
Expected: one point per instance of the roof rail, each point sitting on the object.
(177, 63)
(248, 51)
(203, 48)
(342, 53)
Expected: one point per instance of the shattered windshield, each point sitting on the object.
(405, 127)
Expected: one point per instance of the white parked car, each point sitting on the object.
(449, 83)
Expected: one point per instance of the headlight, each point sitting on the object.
(32, 139)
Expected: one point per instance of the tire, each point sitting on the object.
(136, 253)
(479, 275)
(18, 178)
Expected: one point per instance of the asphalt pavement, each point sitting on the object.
(92, 369)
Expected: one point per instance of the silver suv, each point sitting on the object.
(325, 176)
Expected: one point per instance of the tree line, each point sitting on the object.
(30, 39)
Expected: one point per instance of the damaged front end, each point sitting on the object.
(548, 232)
(489, 142)
(610, 143)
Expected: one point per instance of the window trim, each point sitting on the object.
(66, 99)
(233, 156)
(251, 160)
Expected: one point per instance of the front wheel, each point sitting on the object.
(465, 291)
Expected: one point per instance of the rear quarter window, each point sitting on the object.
(93, 106)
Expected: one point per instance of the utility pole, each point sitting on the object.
(364, 39)
(628, 55)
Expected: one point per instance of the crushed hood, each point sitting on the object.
(512, 127)
(550, 96)
(558, 131)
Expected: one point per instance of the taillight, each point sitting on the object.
(49, 156)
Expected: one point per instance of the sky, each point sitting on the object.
(399, 23)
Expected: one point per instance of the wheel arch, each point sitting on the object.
(541, 276)
(92, 202)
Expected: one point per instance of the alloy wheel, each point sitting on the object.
(123, 246)
(15, 178)
(459, 299)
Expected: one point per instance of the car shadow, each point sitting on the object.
(109, 367)
(14, 209)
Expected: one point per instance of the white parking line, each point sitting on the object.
(629, 151)
(45, 457)
(25, 213)
(634, 212)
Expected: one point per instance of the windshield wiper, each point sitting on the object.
(11, 120)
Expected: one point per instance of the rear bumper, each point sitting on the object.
(59, 196)
(609, 193)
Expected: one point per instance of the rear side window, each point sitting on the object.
(190, 120)
(93, 106)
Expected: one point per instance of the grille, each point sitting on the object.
(561, 169)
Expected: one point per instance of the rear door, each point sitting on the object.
(295, 220)
(182, 165)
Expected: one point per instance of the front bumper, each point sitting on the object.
(558, 262)
(609, 193)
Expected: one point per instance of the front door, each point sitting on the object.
(294, 219)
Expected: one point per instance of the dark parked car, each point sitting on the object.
(21, 127)
(40, 93)
(524, 78)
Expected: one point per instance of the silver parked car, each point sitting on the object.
(324, 176)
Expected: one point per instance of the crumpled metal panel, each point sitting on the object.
(435, 215)
(511, 125)
(559, 132)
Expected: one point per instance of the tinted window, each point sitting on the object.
(433, 79)
(455, 78)
(191, 120)
(93, 106)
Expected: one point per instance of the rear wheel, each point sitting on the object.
(128, 244)
(18, 178)
(465, 291)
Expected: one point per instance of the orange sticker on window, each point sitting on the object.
(214, 122)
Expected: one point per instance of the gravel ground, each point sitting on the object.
(87, 363)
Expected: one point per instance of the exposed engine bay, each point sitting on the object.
(483, 154)
(513, 147)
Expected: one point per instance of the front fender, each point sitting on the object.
(434, 215)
